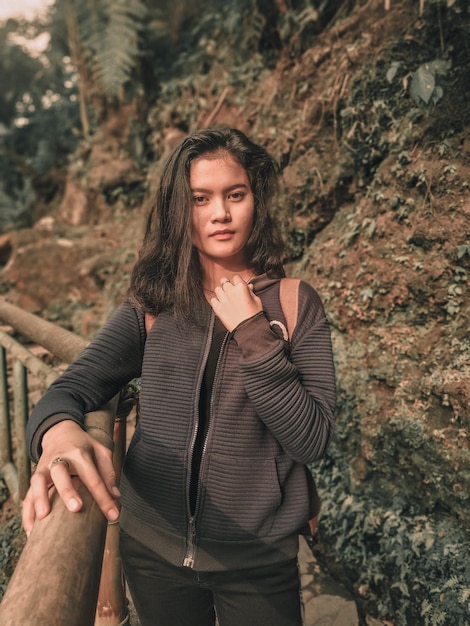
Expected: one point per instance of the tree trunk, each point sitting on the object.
(79, 62)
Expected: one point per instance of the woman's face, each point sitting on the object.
(223, 210)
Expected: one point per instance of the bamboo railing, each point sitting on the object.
(57, 578)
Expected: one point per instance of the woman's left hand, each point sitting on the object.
(234, 302)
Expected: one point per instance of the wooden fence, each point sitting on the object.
(69, 573)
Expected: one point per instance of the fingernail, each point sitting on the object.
(74, 504)
(112, 515)
(116, 493)
(28, 532)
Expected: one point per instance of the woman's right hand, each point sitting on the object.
(79, 455)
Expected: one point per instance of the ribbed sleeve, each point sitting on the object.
(294, 395)
(106, 365)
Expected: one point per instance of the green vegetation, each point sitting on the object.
(374, 205)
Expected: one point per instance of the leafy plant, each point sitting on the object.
(424, 87)
(109, 36)
(105, 37)
(414, 571)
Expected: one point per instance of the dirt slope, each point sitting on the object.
(375, 206)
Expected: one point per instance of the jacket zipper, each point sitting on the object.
(189, 557)
(190, 544)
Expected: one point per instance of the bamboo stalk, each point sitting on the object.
(20, 416)
(56, 580)
(17, 476)
(62, 343)
(111, 607)
(10, 477)
(7, 468)
(32, 363)
(5, 435)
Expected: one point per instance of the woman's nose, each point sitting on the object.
(221, 212)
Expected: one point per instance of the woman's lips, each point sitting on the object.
(222, 234)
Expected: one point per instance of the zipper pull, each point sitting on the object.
(190, 538)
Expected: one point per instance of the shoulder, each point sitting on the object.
(309, 295)
(127, 313)
(126, 322)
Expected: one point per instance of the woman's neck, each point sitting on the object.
(214, 275)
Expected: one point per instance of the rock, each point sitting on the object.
(326, 602)
(46, 225)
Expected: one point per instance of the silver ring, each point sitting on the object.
(224, 282)
(59, 459)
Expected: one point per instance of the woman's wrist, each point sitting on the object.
(48, 431)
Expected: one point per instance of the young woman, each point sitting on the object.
(214, 489)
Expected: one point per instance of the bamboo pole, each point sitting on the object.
(56, 581)
(33, 364)
(5, 435)
(111, 607)
(20, 416)
(62, 343)
(57, 577)
(7, 468)
(17, 481)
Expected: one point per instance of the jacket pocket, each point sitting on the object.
(239, 497)
(156, 475)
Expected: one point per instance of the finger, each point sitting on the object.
(243, 291)
(104, 463)
(238, 280)
(40, 483)
(241, 287)
(60, 475)
(28, 514)
(220, 293)
(225, 282)
(215, 304)
(92, 479)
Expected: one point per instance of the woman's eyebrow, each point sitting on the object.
(231, 188)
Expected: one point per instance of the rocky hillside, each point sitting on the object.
(367, 113)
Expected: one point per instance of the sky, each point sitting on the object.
(22, 8)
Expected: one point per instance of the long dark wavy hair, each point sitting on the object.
(167, 274)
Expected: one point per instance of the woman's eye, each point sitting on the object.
(237, 195)
(198, 199)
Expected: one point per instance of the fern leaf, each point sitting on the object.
(109, 35)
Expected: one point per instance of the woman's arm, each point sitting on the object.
(105, 366)
(294, 395)
(55, 430)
